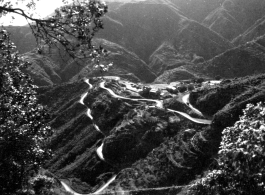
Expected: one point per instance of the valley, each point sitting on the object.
(159, 105)
(183, 75)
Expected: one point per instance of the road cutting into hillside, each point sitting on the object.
(98, 150)
(159, 104)
(186, 101)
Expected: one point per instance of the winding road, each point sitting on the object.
(159, 104)
(99, 151)
(185, 99)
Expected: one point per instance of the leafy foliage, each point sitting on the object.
(23, 132)
(42, 185)
(70, 28)
(241, 157)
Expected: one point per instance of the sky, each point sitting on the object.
(43, 9)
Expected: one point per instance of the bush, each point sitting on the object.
(191, 87)
(217, 77)
(200, 80)
(42, 185)
(241, 161)
(182, 88)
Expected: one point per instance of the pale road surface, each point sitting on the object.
(196, 120)
(99, 151)
(159, 104)
(68, 189)
(186, 101)
(106, 185)
(83, 96)
(90, 86)
(88, 113)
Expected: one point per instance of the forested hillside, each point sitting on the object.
(140, 97)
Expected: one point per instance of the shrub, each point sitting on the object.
(241, 157)
(182, 88)
(191, 87)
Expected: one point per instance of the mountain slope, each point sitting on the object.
(129, 130)
(141, 27)
(237, 62)
(125, 64)
(240, 61)
(234, 17)
(179, 159)
(192, 43)
(253, 32)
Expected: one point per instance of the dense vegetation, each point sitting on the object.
(23, 132)
(23, 129)
(241, 158)
(145, 147)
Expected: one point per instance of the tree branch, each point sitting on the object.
(22, 13)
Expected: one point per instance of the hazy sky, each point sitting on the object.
(43, 8)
